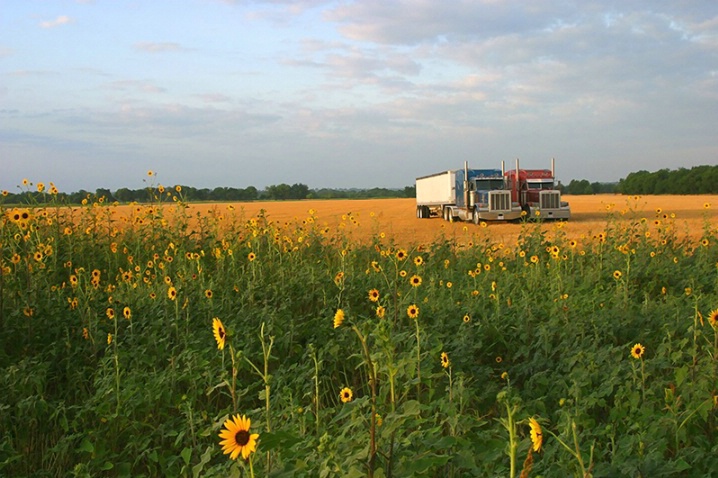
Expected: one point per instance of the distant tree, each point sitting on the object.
(251, 193)
(298, 191)
(124, 195)
(106, 193)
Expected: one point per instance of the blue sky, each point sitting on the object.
(347, 94)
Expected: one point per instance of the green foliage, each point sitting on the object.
(543, 328)
(153, 193)
(582, 187)
(697, 180)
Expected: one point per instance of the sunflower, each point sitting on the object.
(617, 274)
(374, 295)
(338, 318)
(110, 313)
(127, 312)
(445, 362)
(467, 318)
(402, 273)
(208, 293)
(380, 312)
(346, 395)
(418, 260)
(415, 281)
(713, 318)
(536, 435)
(637, 351)
(109, 339)
(219, 333)
(251, 256)
(171, 293)
(412, 311)
(236, 438)
(401, 254)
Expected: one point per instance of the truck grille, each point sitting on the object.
(500, 201)
(550, 199)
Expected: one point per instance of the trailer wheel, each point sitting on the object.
(447, 214)
(419, 212)
(476, 219)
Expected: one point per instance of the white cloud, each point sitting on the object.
(158, 47)
(61, 20)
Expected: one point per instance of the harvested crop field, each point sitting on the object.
(396, 218)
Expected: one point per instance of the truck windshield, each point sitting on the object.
(541, 185)
(489, 184)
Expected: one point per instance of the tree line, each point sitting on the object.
(583, 187)
(697, 180)
(278, 192)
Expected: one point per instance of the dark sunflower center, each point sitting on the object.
(242, 437)
(221, 333)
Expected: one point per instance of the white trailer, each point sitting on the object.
(434, 192)
(465, 195)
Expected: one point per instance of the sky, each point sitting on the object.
(351, 94)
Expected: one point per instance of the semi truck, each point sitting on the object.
(535, 191)
(466, 195)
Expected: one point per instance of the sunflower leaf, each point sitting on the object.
(270, 441)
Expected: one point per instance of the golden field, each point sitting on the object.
(396, 218)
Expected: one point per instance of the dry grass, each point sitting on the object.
(396, 217)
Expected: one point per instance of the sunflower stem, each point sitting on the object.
(451, 387)
(316, 387)
(372, 383)
(578, 449)
(643, 379)
(233, 389)
(117, 369)
(512, 439)
(418, 360)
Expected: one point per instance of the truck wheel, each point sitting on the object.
(419, 212)
(427, 212)
(447, 214)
